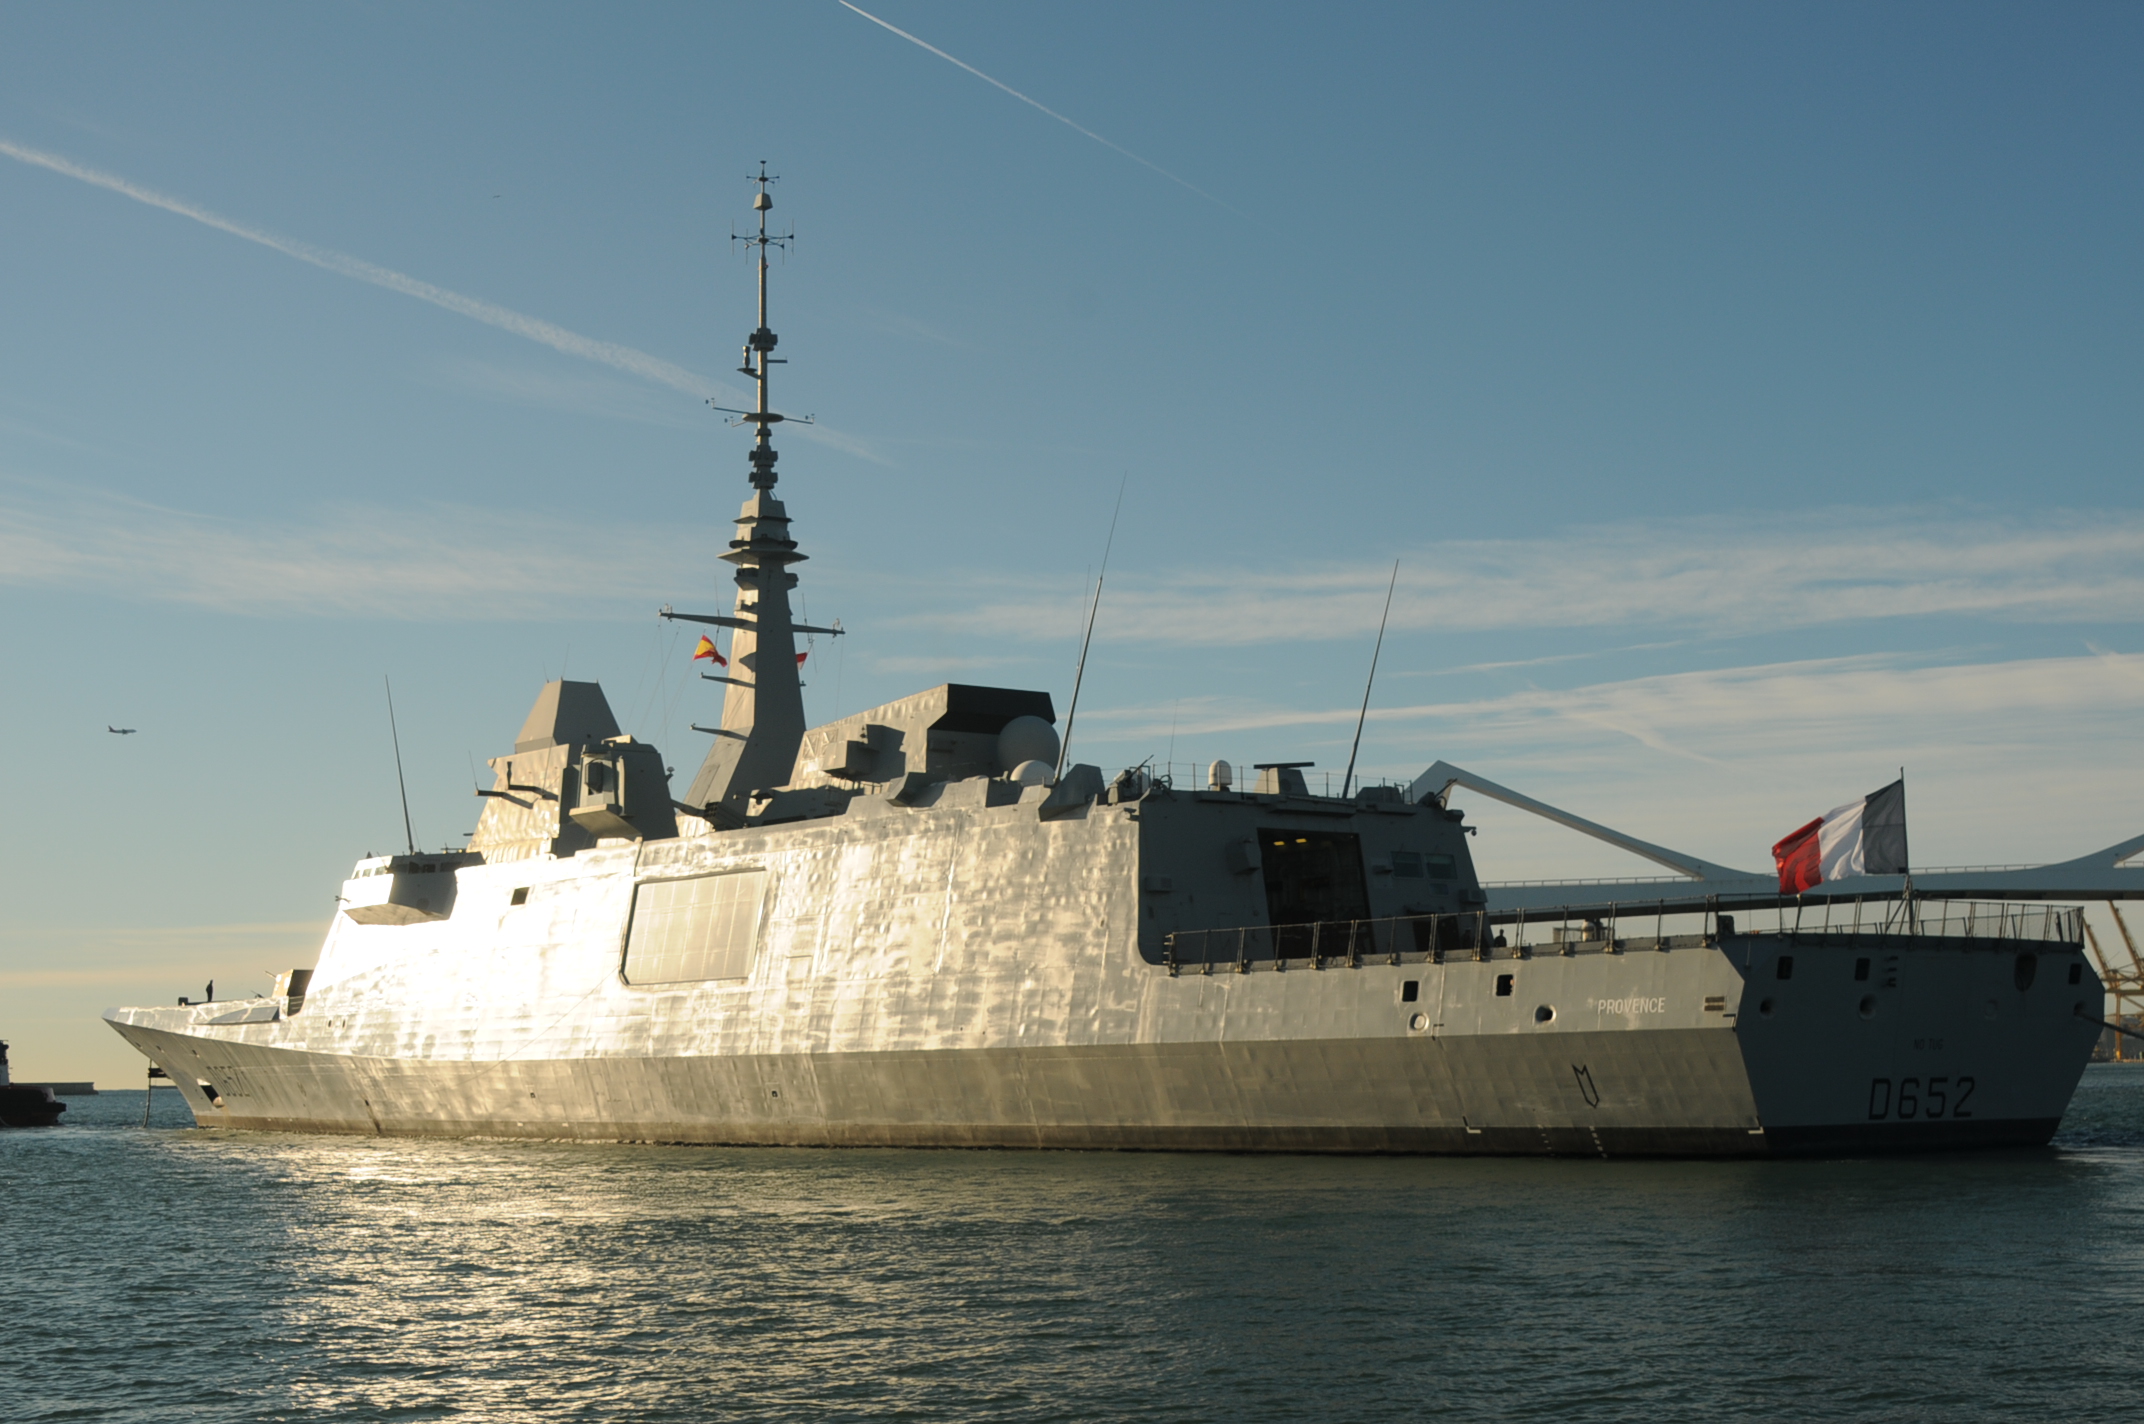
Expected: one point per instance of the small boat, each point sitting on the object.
(26, 1105)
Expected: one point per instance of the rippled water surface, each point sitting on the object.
(174, 1274)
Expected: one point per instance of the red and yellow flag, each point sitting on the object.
(707, 649)
(801, 657)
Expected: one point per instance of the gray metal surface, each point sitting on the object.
(973, 974)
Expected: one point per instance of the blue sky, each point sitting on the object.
(1750, 396)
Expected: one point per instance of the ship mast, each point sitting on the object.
(762, 341)
(755, 748)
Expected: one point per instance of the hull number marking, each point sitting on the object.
(1913, 1098)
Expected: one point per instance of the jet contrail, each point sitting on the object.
(1149, 163)
(572, 343)
(623, 358)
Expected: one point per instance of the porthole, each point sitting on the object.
(1868, 1006)
(1544, 1014)
(1764, 1008)
(1418, 1022)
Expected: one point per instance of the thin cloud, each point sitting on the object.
(623, 358)
(2033, 759)
(1723, 577)
(1711, 575)
(584, 393)
(12, 426)
(571, 343)
(2026, 760)
(893, 323)
(1037, 104)
(1554, 658)
(440, 562)
(1726, 712)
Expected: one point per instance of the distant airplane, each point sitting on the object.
(121, 731)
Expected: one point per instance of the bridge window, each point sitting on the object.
(1314, 887)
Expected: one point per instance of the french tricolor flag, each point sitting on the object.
(1865, 837)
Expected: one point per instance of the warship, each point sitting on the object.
(919, 926)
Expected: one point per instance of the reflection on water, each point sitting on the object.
(178, 1274)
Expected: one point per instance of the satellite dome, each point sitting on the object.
(1026, 738)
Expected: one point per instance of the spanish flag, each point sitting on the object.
(707, 650)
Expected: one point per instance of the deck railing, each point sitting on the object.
(1315, 945)
(1432, 938)
(1937, 919)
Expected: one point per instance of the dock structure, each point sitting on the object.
(2125, 987)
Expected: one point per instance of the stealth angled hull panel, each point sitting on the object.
(1668, 1093)
(975, 976)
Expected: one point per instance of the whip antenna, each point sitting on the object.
(400, 785)
(1347, 782)
(1065, 748)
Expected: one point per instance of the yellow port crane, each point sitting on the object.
(2125, 984)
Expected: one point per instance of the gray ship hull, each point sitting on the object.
(1345, 1097)
(912, 987)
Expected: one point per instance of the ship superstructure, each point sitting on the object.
(914, 927)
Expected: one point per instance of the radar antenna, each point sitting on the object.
(759, 346)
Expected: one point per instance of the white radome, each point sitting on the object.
(1026, 739)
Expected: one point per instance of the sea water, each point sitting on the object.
(176, 1274)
